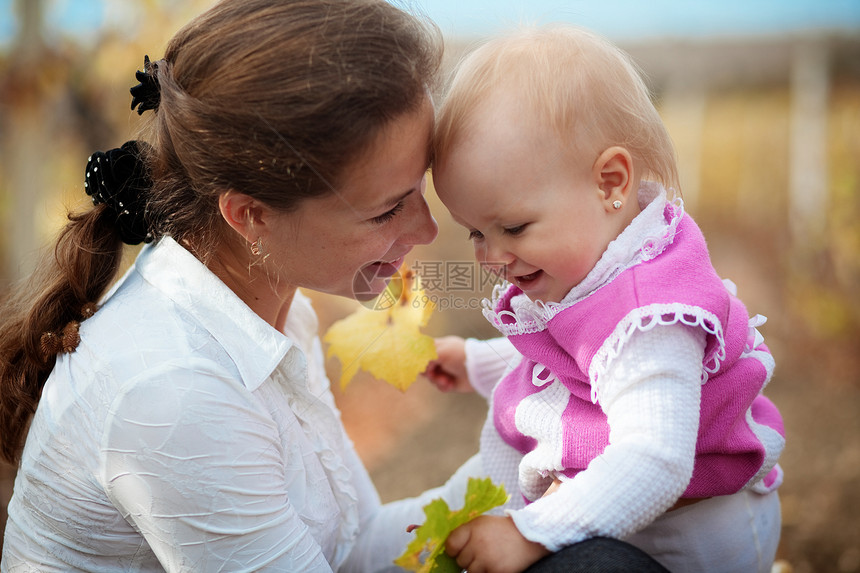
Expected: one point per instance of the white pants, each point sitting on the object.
(728, 534)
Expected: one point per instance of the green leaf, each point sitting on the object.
(481, 496)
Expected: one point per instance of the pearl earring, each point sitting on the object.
(617, 204)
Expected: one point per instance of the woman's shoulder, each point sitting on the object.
(181, 384)
(138, 328)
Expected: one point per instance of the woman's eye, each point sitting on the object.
(515, 230)
(388, 215)
(475, 235)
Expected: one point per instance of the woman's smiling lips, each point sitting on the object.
(372, 278)
(386, 268)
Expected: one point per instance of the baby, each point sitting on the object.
(636, 409)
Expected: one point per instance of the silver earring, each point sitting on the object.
(617, 204)
(257, 247)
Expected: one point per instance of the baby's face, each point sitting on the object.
(532, 206)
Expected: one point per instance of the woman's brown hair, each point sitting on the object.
(272, 98)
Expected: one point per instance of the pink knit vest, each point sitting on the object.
(740, 431)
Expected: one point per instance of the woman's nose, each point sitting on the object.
(421, 228)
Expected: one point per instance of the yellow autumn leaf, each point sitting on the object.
(386, 341)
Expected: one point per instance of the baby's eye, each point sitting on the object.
(475, 235)
(516, 230)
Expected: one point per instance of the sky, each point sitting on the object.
(637, 19)
(618, 19)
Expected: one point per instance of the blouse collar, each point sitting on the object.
(255, 347)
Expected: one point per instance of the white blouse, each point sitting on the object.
(186, 434)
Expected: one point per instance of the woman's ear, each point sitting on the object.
(613, 172)
(243, 214)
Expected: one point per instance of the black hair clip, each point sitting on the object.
(119, 179)
(146, 94)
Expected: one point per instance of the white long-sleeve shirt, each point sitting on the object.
(650, 407)
(186, 434)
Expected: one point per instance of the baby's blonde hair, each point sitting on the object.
(578, 84)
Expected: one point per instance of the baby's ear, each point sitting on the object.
(613, 174)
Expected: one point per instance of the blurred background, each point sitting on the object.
(762, 98)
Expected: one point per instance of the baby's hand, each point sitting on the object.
(493, 544)
(448, 371)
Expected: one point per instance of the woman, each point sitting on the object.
(184, 421)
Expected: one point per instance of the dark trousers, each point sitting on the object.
(598, 555)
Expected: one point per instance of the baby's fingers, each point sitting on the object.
(439, 377)
(456, 541)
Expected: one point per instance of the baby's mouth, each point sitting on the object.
(524, 281)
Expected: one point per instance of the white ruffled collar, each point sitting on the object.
(645, 237)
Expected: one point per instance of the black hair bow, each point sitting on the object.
(146, 94)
